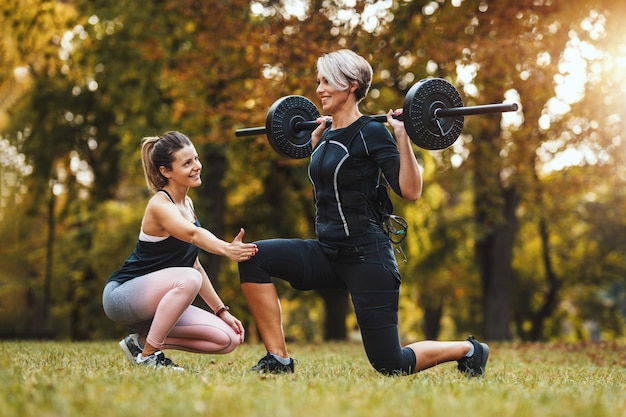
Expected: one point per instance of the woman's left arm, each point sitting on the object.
(410, 177)
(213, 300)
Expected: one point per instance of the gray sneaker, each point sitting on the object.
(131, 346)
(474, 365)
(157, 360)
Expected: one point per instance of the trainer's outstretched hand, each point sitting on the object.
(240, 251)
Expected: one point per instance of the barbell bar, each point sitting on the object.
(433, 116)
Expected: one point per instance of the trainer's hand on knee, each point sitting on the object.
(234, 323)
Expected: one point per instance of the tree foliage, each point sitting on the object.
(504, 242)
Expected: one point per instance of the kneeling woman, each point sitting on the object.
(152, 292)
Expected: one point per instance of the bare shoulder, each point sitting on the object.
(156, 200)
(158, 209)
(158, 205)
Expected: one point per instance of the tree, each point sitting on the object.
(495, 49)
(494, 224)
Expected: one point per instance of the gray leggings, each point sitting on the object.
(158, 305)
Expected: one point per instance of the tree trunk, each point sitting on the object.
(494, 252)
(44, 323)
(433, 310)
(551, 294)
(336, 310)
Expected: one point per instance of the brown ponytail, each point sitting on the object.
(157, 152)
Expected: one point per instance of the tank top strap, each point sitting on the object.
(189, 202)
(168, 195)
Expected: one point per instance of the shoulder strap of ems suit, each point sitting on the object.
(394, 226)
(352, 130)
(349, 132)
(385, 206)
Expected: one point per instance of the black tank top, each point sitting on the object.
(149, 257)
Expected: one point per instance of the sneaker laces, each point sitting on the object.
(165, 361)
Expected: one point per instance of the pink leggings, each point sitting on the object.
(158, 305)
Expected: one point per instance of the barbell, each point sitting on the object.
(433, 116)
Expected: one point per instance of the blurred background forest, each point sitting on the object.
(520, 233)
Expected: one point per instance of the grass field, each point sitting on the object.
(45, 379)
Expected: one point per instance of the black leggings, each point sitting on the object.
(368, 271)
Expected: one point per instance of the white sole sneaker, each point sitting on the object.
(131, 346)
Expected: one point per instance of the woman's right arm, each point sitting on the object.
(169, 218)
(410, 176)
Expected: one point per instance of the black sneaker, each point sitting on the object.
(131, 346)
(157, 360)
(474, 365)
(269, 364)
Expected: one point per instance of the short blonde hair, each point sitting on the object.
(343, 67)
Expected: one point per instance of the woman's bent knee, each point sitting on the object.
(226, 342)
(189, 279)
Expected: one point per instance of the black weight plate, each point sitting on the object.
(420, 103)
(280, 126)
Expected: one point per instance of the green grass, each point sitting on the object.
(94, 379)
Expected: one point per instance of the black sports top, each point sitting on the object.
(345, 170)
(149, 257)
